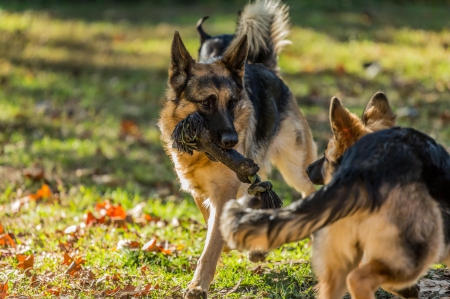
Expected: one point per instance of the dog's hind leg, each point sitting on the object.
(293, 150)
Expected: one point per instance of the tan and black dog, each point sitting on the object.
(247, 107)
(382, 219)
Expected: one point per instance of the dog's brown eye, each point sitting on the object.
(206, 103)
(232, 103)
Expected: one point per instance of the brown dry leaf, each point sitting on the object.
(67, 259)
(129, 128)
(35, 173)
(74, 264)
(90, 219)
(124, 292)
(3, 290)
(147, 289)
(25, 261)
(5, 239)
(258, 269)
(55, 291)
(64, 246)
(151, 246)
(145, 269)
(127, 244)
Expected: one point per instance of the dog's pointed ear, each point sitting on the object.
(180, 64)
(235, 57)
(203, 35)
(378, 114)
(347, 128)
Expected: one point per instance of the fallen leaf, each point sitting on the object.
(44, 192)
(74, 264)
(71, 229)
(112, 210)
(125, 292)
(6, 240)
(3, 290)
(130, 128)
(90, 219)
(35, 173)
(136, 211)
(25, 261)
(128, 244)
(150, 246)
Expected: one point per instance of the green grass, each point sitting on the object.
(69, 76)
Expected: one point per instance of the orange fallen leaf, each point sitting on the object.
(67, 259)
(1, 229)
(3, 290)
(115, 211)
(165, 251)
(90, 219)
(25, 261)
(73, 263)
(151, 246)
(6, 240)
(44, 192)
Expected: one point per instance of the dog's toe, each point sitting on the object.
(257, 256)
(195, 293)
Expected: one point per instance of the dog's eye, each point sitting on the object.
(232, 103)
(208, 102)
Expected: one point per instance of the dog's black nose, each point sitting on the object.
(228, 140)
(307, 169)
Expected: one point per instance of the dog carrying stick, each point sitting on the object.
(192, 134)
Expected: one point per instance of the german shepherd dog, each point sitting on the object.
(382, 218)
(247, 107)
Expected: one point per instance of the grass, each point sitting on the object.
(80, 89)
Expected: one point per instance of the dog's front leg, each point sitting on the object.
(206, 265)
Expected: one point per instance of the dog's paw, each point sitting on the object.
(195, 293)
(410, 293)
(257, 256)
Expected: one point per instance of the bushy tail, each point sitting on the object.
(263, 230)
(266, 23)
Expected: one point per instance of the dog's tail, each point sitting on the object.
(263, 230)
(266, 23)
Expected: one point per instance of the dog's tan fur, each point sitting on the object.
(212, 184)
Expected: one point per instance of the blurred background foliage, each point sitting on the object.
(81, 82)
